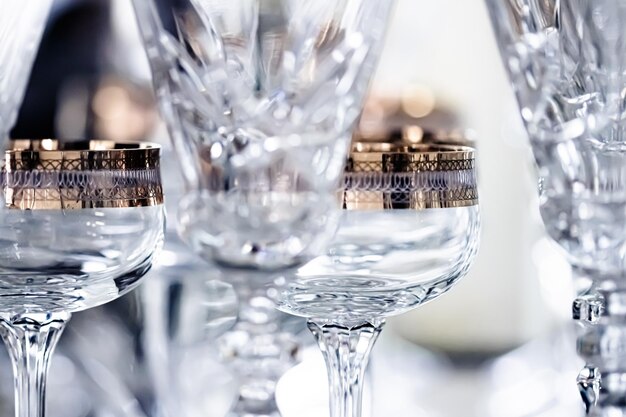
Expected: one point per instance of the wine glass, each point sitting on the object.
(260, 97)
(408, 231)
(80, 227)
(21, 27)
(566, 62)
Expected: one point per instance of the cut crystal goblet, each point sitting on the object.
(260, 97)
(566, 62)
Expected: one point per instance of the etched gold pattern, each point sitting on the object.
(48, 174)
(382, 176)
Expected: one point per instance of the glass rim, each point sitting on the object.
(386, 157)
(82, 155)
(48, 174)
(410, 172)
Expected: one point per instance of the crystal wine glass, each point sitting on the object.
(21, 26)
(80, 227)
(566, 62)
(409, 230)
(260, 97)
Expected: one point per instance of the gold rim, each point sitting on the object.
(382, 175)
(51, 175)
(391, 157)
(89, 155)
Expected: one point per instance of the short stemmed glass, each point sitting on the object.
(260, 97)
(21, 26)
(409, 230)
(80, 227)
(566, 62)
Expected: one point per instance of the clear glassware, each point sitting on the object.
(566, 63)
(80, 227)
(260, 98)
(21, 26)
(215, 343)
(567, 71)
(409, 230)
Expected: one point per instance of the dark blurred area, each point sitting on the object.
(76, 89)
(70, 57)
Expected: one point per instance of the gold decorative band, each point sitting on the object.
(88, 155)
(390, 157)
(409, 176)
(48, 174)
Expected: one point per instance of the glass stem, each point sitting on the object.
(270, 350)
(30, 341)
(346, 350)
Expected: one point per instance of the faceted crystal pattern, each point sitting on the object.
(21, 25)
(567, 62)
(245, 80)
(260, 97)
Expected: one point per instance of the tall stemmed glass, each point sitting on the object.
(260, 97)
(80, 227)
(21, 26)
(408, 231)
(566, 61)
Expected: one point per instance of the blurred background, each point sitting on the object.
(500, 344)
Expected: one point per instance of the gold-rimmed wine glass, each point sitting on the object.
(409, 229)
(80, 227)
